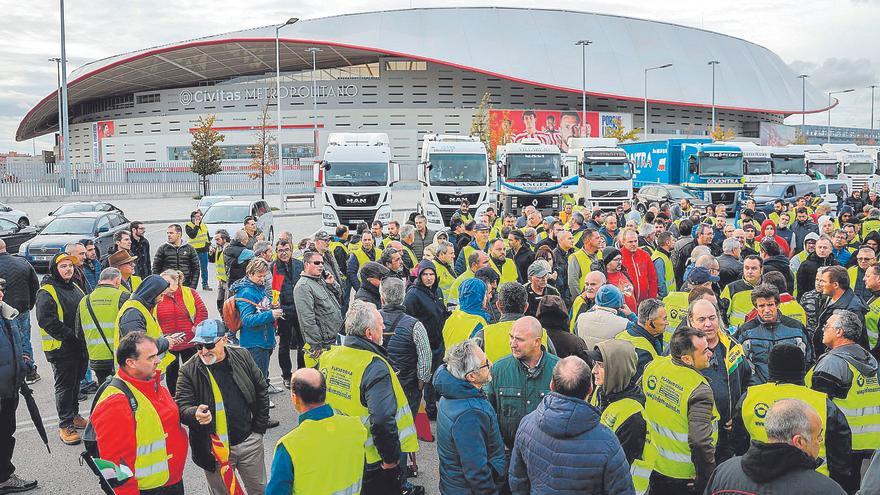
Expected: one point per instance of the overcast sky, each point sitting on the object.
(835, 42)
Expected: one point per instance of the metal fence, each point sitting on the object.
(35, 180)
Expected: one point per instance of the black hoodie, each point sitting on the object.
(132, 320)
(426, 305)
(69, 295)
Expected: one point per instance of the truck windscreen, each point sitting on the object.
(458, 169)
(859, 168)
(357, 174)
(607, 170)
(533, 166)
(756, 167)
(789, 165)
(721, 167)
(828, 169)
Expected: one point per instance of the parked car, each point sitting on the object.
(834, 191)
(207, 201)
(13, 215)
(77, 207)
(664, 193)
(766, 194)
(14, 234)
(230, 215)
(99, 226)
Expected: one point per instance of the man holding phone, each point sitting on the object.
(316, 297)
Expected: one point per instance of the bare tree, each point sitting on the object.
(263, 153)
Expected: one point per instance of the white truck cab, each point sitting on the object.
(856, 164)
(356, 173)
(532, 173)
(604, 170)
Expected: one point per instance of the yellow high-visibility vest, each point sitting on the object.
(49, 342)
(153, 330)
(507, 273)
(461, 326)
(496, 340)
(201, 239)
(668, 272)
(615, 415)
(105, 303)
(861, 406)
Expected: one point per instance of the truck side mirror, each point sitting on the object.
(325, 165)
(395, 173)
(692, 165)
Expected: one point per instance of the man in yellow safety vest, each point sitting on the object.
(198, 237)
(136, 315)
(97, 321)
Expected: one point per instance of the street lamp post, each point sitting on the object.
(583, 44)
(713, 63)
(645, 130)
(828, 131)
(65, 134)
(314, 51)
(803, 78)
(278, 110)
(872, 87)
(57, 61)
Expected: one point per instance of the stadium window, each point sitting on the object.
(405, 65)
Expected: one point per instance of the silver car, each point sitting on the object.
(230, 215)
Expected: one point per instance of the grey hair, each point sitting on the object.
(461, 359)
(648, 309)
(787, 418)
(866, 250)
(577, 217)
(700, 251)
(849, 323)
(706, 261)
(406, 231)
(241, 236)
(70, 245)
(690, 312)
(874, 213)
(444, 246)
(109, 274)
(391, 290)
(600, 274)
(529, 232)
(512, 297)
(387, 254)
(730, 245)
(359, 318)
(261, 247)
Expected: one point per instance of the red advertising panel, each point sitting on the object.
(548, 127)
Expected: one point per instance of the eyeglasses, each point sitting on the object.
(209, 347)
(865, 259)
(317, 263)
(487, 365)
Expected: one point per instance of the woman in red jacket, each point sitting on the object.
(179, 311)
(768, 229)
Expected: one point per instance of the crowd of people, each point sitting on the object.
(666, 351)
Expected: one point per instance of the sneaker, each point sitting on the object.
(286, 382)
(207, 288)
(274, 390)
(79, 422)
(272, 423)
(15, 484)
(32, 378)
(82, 397)
(413, 490)
(69, 435)
(271, 405)
(90, 388)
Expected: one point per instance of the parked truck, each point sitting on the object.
(765, 164)
(356, 174)
(713, 170)
(532, 173)
(856, 164)
(604, 171)
(453, 168)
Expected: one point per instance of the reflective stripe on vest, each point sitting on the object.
(151, 463)
(327, 455)
(220, 425)
(461, 326)
(740, 305)
(638, 342)
(508, 272)
(872, 322)
(201, 238)
(153, 329)
(496, 340)
(668, 387)
(615, 415)
(105, 304)
(49, 342)
(344, 368)
(760, 398)
(445, 279)
(860, 406)
(668, 271)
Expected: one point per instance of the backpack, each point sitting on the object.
(231, 316)
(89, 437)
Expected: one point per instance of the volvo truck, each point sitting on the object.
(856, 164)
(532, 173)
(604, 172)
(356, 174)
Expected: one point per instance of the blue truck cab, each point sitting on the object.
(714, 171)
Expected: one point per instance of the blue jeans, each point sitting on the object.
(22, 324)
(203, 267)
(261, 357)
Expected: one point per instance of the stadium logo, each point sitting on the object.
(761, 410)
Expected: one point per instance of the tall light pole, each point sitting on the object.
(583, 44)
(872, 87)
(713, 63)
(278, 110)
(803, 78)
(57, 61)
(65, 118)
(314, 51)
(828, 132)
(645, 130)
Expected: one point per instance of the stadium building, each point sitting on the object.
(410, 72)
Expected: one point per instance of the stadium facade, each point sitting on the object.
(410, 72)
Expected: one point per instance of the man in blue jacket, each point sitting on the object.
(562, 446)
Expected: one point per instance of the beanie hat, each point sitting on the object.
(786, 363)
(609, 254)
(609, 296)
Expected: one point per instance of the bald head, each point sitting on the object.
(525, 339)
(529, 326)
(796, 423)
(308, 389)
(571, 378)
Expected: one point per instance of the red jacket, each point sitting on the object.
(625, 284)
(172, 316)
(114, 428)
(641, 272)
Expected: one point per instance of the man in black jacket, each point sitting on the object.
(285, 274)
(140, 247)
(372, 273)
(835, 287)
(521, 254)
(20, 275)
(175, 255)
(227, 375)
(775, 261)
(233, 259)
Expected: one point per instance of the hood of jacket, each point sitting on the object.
(54, 278)
(846, 209)
(619, 359)
(565, 417)
(421, 267)
(857, 356)
(765, 462)
(451, 387)
(149, 289)
(471, 294)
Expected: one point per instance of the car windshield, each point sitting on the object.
(681, 193)
(205, 203)
(227, 213)
(356, 174)
(533, 166)
(83, 226)
(757, 167)
(859, 168)
(789, 165)
(769, 190)
(607, 170)
(458, 169)
(721, 167)
(74, 208)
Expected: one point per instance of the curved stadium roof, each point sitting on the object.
(533, 46)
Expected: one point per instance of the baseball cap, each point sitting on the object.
(371, 269)
(65, 257)
(539, 268)
(322, 236)
(209, 331)
(812, 236)
(481, 227)
(701, 275)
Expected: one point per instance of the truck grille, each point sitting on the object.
(539, 202)
(352, 200)
(353, 217)
(725, 198)
(600, 195)
(455, 199)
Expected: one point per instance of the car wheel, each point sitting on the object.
(23, 222)
(641, 208)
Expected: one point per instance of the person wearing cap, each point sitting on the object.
(367, 251)
(223, 392)
(56, 307)
(96, 321)
(124, 262)
(316, 297)
(605, 319)
(616, 273)
(178, 255)
(786, 368)
(479, 243)
(736, 298)
(537, 286)
(371, 276)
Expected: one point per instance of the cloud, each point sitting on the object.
(833, 74)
